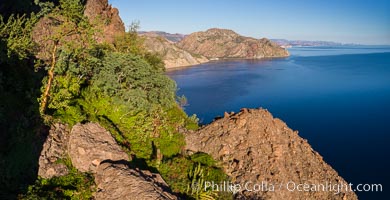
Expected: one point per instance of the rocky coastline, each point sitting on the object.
(251, 146)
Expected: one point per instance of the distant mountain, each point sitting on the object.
(172, 55)
(169, 36)
(183, 50)
(218, 43)
(286, 43)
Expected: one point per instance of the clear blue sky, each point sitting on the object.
(348, 21)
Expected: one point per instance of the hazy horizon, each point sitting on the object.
(360, 21)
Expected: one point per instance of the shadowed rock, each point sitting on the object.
(53, 150)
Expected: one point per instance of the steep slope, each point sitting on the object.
(223, 43)
(171, 54)
(256, 148)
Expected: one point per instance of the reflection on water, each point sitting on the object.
(340, 103)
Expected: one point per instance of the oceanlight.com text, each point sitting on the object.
(291, 186)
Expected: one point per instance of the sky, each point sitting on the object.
(346, 21)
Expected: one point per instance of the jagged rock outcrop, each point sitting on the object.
(92, 149)
(255, 147)
(54, 149)
(101, 14)
(138, 184)
(170, 53)
(223, 43)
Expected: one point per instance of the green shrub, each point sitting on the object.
(179, 174)
(192, 123)
(121, 86)
(75, 185)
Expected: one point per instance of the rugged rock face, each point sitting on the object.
(102, 14)
(92, 149)
(254, 146)
(223, 43)
(138, 185)
(90, 144)
(171, 54)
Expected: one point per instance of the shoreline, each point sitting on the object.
(224, 59)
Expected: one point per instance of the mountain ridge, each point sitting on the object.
(225, 43)
(212, 44)
(177, 37)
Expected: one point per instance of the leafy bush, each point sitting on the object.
(121, 86)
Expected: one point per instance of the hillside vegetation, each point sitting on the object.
(65, 75)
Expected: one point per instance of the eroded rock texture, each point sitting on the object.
(92, 149)
(54, 149)
(135, 183)
(254, 146)
(102, 15)
(91, 144)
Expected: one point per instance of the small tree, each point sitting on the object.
(69, 33)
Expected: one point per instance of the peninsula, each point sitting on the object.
(213, 44)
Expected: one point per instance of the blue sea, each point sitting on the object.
(338, 98)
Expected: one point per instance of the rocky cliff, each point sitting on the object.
(170, 53)
(100, 13)
(223, 43)
(257, 148)
(92, 149)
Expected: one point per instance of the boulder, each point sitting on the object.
(90, 144)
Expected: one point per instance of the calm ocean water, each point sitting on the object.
(338, 98)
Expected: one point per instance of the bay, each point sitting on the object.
(338, 98)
